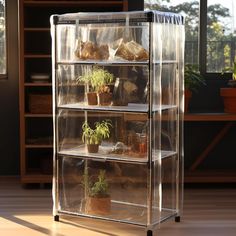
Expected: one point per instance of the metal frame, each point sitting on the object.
(150, 224)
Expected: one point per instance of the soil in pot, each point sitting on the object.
(92, 98)
(98, 205)
(92, 148)
(105, 99)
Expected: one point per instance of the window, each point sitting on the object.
(190, 10)
(3, 60)
(221, 34)
(218, 32)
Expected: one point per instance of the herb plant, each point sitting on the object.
(231, 69)
(97, 188)
(98, 79)
(100, 187)
(95, 136)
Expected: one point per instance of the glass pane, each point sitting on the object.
(190, 10)
(221, 40)
(2, 38)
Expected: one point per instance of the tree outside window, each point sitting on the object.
(190, 10)
(2, 38)
(221, 39)
(221, 30)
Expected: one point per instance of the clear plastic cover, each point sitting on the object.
(127, 135)
(126, 189)
(103, 42)
(128, 86)
(118, 109)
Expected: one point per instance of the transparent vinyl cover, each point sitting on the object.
(118, 115)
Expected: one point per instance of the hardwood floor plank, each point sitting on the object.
(28, 212)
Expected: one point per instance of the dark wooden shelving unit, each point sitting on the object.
(35, 57)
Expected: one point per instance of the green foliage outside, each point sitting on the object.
(220, 42)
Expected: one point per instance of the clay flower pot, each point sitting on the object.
(98, 205)
(229, 97)
(92, 98)
(187, 97)
(92, 148)
(104, 99)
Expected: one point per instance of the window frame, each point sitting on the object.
(202, 39)
(203, 44)
(5, 75)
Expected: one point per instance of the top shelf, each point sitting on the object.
(113, 62)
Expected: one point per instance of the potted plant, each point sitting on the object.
(94, 137)
(91, 94)
(97, 197)
(192, 81)
(229, 94)
(99, 80)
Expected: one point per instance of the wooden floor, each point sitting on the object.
(28, 212)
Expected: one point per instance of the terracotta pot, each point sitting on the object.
(98, 205)
(104, 99)
(92, 148)
(229, 97)
(187, 97)
(92, 98)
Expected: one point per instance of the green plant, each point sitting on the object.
(97, 188)
(95, 136)
(192, 77)
(231, 69)
(100, 187)
(98, 79)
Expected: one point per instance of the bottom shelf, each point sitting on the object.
(210, 176)
(125, 212)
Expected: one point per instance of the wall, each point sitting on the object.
(135, 5)
(9, 118)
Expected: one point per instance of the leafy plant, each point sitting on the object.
(100, 187)
(98, 79)
(192, 77)
(97, 188)
(231, 69)
(95, 136)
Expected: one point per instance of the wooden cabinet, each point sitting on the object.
(35, 86)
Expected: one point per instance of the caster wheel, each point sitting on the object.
(149, 233)
(177, 219)
(56, 218)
